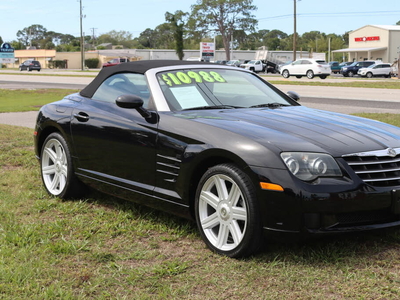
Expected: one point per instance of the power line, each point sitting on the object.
(339, 14)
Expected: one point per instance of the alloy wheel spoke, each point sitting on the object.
(221, 188)
(236, 232)
(60, 153)
(51, 154)
(234, 195)
(209, 198)
(49, 170)
(222, 236)
(239, 213)
(55, 182)
(210, 222)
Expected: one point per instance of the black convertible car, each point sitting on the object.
(222, 146)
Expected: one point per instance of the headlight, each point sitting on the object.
(344, 69)
(309, 166)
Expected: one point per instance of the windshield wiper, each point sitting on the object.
(270, 105)
(213, 107)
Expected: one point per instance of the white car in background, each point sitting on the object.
(378, 69)
(306, 67)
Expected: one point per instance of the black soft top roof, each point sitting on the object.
(139, 67)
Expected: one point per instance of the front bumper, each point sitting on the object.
(331, 206)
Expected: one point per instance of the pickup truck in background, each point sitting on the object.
(254, 65)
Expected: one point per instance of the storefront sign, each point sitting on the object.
(367, 38)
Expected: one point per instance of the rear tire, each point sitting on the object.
(227, 212)
(57, 170)
(322, 76)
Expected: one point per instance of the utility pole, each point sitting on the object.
(93, 36)
(294, 31)
(82, 40)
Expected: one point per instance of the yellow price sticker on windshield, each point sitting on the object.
(189, 77)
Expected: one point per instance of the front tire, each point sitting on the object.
(369, 75)
(310, 74)
(57, 170)
(227, 212)
(285, 74)
(350, 74)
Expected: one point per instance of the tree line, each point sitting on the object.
(230, 23)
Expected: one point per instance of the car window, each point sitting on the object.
(186, 89)
(123, 84)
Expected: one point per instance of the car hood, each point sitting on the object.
(297, 128)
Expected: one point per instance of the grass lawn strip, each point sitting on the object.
(100, 247)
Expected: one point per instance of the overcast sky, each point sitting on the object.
(334, 16)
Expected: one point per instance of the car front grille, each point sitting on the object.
(377, 168)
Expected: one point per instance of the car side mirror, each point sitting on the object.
(135, 102)
(293, 95)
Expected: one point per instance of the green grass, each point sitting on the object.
(386, 118)
(29, 100)
(100, 247)
(89, 73)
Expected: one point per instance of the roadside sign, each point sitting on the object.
(207, 51)
(6, 53)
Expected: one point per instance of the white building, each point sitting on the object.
(373, 42)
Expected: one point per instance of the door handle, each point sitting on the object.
(82, 117)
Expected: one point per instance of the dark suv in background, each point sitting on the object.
(30, 65)
(351, 70)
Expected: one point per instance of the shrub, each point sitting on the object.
(92, 63)
(58, 64)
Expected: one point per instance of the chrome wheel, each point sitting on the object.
(225, 211)
(222, 212)
(54, 167)
(57, 171)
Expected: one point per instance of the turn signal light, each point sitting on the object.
(271, 186)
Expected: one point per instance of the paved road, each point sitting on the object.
(338, 99)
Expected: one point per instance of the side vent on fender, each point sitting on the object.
(169, 167)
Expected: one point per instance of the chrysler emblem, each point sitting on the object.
(391, 152)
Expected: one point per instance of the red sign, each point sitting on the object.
(367, 38)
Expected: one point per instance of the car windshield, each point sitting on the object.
(252, 62)
(371, 66)
(321, 62)
(217, 88)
